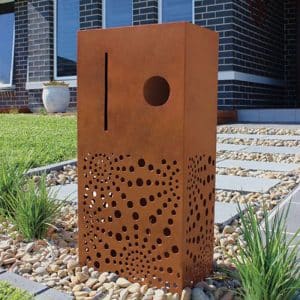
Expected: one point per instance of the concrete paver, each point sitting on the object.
(245, 184)
(32, 287)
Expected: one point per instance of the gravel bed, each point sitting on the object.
(54, 261)
(258, 130)
(265, 157)
(253, 142)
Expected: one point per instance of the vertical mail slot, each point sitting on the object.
(147, 112)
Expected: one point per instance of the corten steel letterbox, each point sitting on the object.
(147, 112)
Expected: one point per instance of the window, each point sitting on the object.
(176, 10)
(117, 13)
(67, 25)
(7, 24)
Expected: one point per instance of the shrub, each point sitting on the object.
(11, 180)
(9, 292)
(267, 265)
(34, 209)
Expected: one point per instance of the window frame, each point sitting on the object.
(104, 15)
(160, 12)
(55, 27)
(9, 8)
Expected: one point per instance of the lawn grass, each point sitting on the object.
(43, 139)
(8, 292)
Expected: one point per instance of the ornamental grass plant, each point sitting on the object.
(33, 209)
(11, 180)
(267, 264)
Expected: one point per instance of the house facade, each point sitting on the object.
(258, 53)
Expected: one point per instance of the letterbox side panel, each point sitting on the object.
(200, 153)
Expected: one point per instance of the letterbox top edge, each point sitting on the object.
(170, 24)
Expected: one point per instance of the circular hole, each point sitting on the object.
(143, 202)
(118, 214)
(175, 249)
(96, 265)
(156, 91)
(167, 231)
(135, 216)
(152, 219)
(139, 182)
(141, 162)
(119, 237)
(113, 253)
(130, 204)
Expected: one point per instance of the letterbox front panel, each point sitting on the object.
(132, 157)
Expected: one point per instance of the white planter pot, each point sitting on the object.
(56, 98)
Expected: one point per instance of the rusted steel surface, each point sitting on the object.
(147, 112)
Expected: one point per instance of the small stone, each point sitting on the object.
(123, 283)
(82, 277)
(29, 247)
(91, 282)
(144, 289)
(4, 245)
(186, 294)
(9, 261)
(198, 294)
(134, 288)
(81, 294)
(51, 283)
(36, 179)
(40, 270)
(123, 294)
(112, 277)
(62, 273)
(228, 296)
(78, 287)
(95, 274)
(72, 264)
(228, 229)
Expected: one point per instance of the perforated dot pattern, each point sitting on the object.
(130, 218)
(199, 218)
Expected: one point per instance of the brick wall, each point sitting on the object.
(290, 50)
(251, 42)
(19, 96)
(90, 14)
(40, 47)
(145, 12)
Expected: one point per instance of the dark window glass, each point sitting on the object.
(7, 21)
(177, 10)
(66, 36)
(118, 13)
